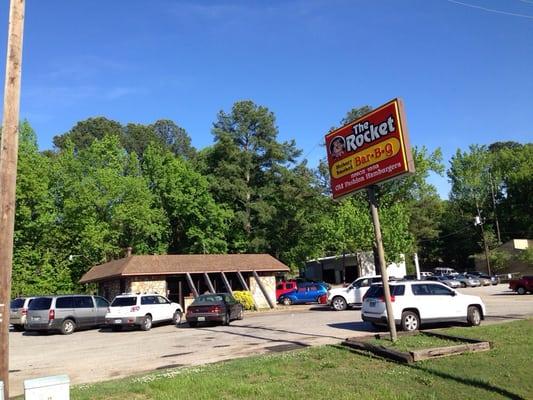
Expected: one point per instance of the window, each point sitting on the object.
(161, 300)
(83, 302)
(64, 302)
(147, 300)
(290, 285)
(280, 286)
(376, 291)
(41, 303)
(17, 303)
(101, 302)
(124, 302)
(438, 290)
(363, 283)
(312, 288)
(421, 290)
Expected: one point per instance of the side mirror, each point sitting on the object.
(453, 294)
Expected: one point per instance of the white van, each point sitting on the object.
(445, 271)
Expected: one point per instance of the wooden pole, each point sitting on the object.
(381, 255)
(8, 175)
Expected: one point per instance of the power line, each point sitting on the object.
(491, 9)
(445, 236)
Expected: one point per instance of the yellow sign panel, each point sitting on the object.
(371, 155)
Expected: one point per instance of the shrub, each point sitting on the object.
(245, 298)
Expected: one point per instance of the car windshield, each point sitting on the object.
(17, 303)
(40, 303)
(124, 301)
(376, 291)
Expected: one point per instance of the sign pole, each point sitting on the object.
(8, 176)
(371, 191)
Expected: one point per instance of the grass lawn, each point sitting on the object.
(334, 372)
(413, 342)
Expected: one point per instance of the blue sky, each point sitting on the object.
(463, 68)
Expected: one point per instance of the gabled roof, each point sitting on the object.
(181, 264)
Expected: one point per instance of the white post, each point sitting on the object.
(417, 266)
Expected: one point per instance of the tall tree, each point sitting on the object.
(85, 132)
(245, 156)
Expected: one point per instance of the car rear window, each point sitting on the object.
(376, 291)
(124, 302)
(17, 303)
(40, 303)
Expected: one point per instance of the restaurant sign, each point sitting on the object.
(370, 150)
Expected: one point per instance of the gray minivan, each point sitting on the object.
(66, 313)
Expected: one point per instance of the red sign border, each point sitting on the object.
(405, 146)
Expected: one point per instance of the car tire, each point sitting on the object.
(177, 317)
(287, 301)
(147, 323)
(473, 316)
(339, 303)
(68, 327)
(410, 321)
(18, 327)
(521, 290)
(226, 319)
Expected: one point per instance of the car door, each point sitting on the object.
(148, 306)
(447, 303)
(102, 305)
(164, 308)
(424, 301)
(84, 311)
(359, 290)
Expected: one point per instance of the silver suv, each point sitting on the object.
(18, 310)
(66, 313)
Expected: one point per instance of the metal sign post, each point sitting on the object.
(371, 191)
(8, 176)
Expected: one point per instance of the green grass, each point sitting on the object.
(413, 342)
(335, 373)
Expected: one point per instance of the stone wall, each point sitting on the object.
(269, 283)
(147, 284)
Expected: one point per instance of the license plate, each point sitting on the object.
(372, 303)
(118, 321)
(35, 318)
(201, 318)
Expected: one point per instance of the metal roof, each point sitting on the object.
(181, 264)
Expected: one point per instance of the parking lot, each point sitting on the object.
(95, 355)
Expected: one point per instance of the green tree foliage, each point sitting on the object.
(245, 158)
(85, 132)
(195, 223)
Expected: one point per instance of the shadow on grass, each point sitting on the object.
(458, 379)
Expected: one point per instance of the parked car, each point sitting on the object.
(482, 280)
(216, 307)
(341, 298)
(417, 303)
(447, 280)
(308, 293)
(494, 280)
(66, 313)
(522, 285)
(467, 281)
(18, 310)
(444, 271)
(285, 287)
(425, 274)
(305, 281)
(142, 310)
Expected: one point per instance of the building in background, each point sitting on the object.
(183, 277)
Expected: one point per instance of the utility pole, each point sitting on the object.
(494, 209)
(479, 221)
(8, 175)
(371, 191)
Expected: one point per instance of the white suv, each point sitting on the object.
(418, 302)
(342, 298)
(141, 310)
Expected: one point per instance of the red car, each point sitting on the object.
(285, 287)
(522, 285)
